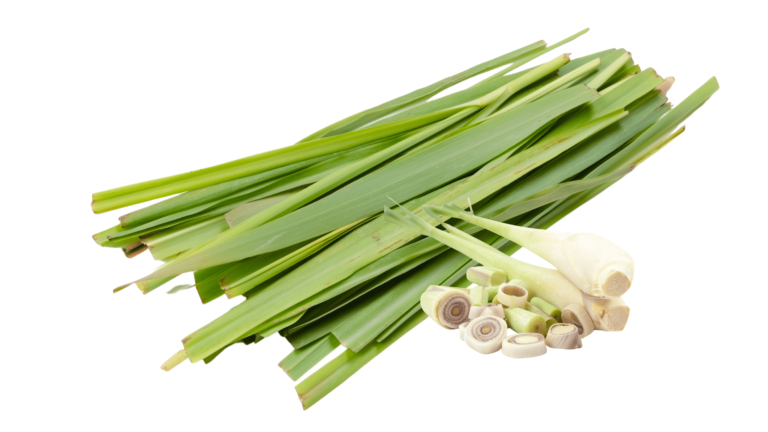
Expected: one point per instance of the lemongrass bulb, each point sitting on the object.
(607, 314)
(485, 334)
(524, 345)
(462, 329)
(447, 306)
(479, 295)
(523, 321)
(513, 294)
(486, 276)
(563, 336)
(486, 310)
(576, 314)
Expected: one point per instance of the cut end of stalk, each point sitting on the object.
(175, 360)
(664, 87)
(615, 318)
(563, 336)
(613, 282)
(513, 294)
(486, 334)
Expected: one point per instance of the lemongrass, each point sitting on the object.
(479, 295)
(446, 306)
(595, 265)
(576, 314)
(548, 284)
(524, 345)
(174, 361)
(486, 276)
(563, 336)
(607, 314)
(548, 320)
(547, 308)
(523, 321)
(513, 294)
(486, 310)
(485, 334)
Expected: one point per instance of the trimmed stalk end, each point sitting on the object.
(613, 282)
(175, 360)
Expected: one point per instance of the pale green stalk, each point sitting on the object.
(608, 72)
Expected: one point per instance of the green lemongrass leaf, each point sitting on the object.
(300, 361)
(402, 180)
(422, 94)
(245, 341)
(599, 81)
(248, 210)
(145, 191)
(179, 288)
(400, 321)
(533, 55)
(368, 242)
(169, 243)
(606, 62)
(147, 287)
(338, 370)
(581, 61)
(274, 328)
(242, 278)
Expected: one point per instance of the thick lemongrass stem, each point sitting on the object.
(522, 321)
(595, 265)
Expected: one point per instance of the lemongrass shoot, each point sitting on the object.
(578, 316)
(525, 345)
(479, 295)
(563, 336)
(595, 265)
(486, 276)
(446, 306)
(522, 321)
(174, 361)
(548, 320)
(486, 310)
(547, 308)
(485, 334)
(513, 294)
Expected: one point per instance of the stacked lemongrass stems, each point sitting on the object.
(298, 232)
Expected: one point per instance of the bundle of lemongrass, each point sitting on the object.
(298, 231)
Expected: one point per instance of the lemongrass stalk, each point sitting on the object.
(523, 321)
(174, 361)
(446, 306)
(479, 295)
(547, 308)
(595, 265)
(486, 276)
(547, 284)
(525, 345)
(608, 72)
(485, 334)
(563, 336)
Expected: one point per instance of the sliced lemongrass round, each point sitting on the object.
(485, 334)
(463, 330)
(524, 345)
(486, 276)
(513, 294)
(448, 307)
(523, 321)
(563, 336)
(576, 314)
(486, 310)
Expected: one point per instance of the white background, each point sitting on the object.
(95, 95)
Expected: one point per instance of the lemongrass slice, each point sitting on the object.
(486, 310)
(522, 321)
(547, 308)
(492, 291)
(548, 320)
(524, 345)
(485, 334)
(448, 307)
(576, 314)
(563, 336)
(463, 329)
(479, 295)
(513, 294)
(486, 276)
